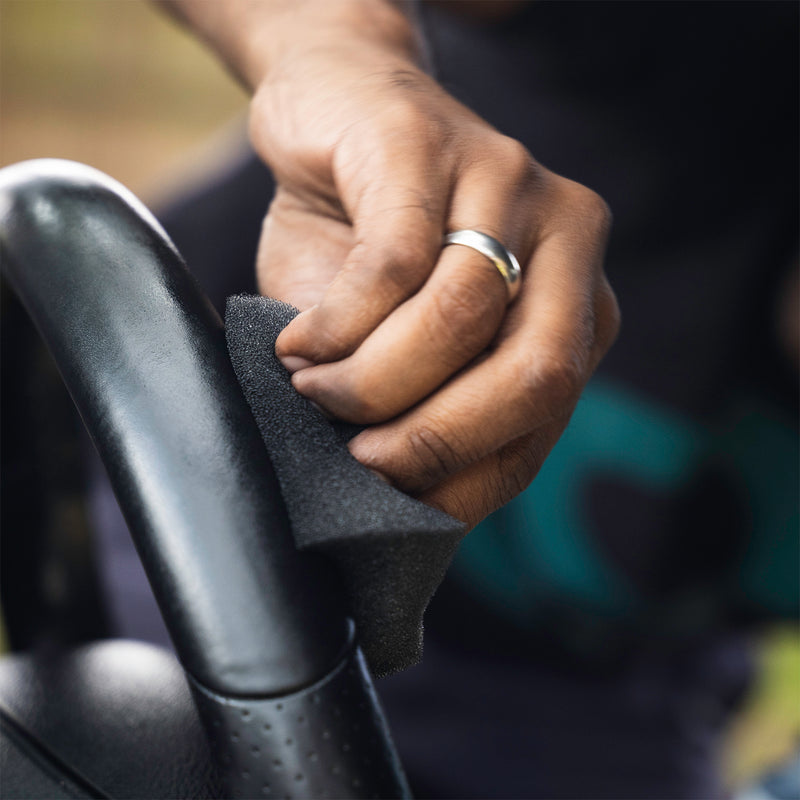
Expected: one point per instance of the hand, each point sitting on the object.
(375, 163)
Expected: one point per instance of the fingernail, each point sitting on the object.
(294, 363)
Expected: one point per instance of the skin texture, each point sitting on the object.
(375, 162)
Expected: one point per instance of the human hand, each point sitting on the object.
(375, 162)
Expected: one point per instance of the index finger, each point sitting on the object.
(398, 219)
(546, 350)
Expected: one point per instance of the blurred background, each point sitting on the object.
(117, 85)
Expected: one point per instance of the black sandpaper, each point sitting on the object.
(391, 549)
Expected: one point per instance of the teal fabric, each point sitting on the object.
(543, 545)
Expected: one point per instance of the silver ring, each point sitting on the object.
(488, 246)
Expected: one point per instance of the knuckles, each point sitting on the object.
(403, 267)
(501, 158)
(421, 458)
(466, 314)
(583, 209)
(551, 384)
(517, 467)
(518, 163)
(608, 318)
(410, 117)
(597, 214)
(431, 456)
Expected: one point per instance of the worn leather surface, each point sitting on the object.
(112, 719)
(143, 354)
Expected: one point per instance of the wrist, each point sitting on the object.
(321, 25)
(252, 36)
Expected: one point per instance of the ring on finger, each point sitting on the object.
(503, 259)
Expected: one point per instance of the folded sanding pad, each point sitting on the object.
(392, 551)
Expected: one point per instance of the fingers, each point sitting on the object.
(483, 487)
(461, 425)
(470, 392)
(314, 244)
(607, 320)
(502, 193)
(418, 347)
(544, 354)
(398, 219)
(448, 322)
(399, 207)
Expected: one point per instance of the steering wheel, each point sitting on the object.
(269, 695)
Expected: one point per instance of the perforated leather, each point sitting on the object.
(328, 740)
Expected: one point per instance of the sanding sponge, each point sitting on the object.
(391, 550)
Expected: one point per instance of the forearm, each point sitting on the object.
(252, 35)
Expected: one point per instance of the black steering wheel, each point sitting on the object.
(272, 697)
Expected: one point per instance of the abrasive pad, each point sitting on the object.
(391, 550)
